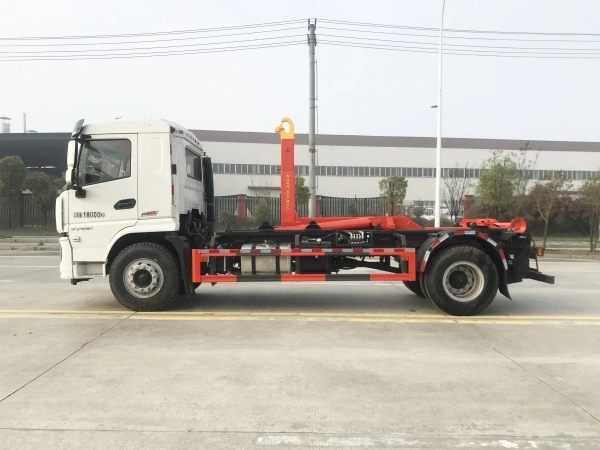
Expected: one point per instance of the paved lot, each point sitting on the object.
(300, 366)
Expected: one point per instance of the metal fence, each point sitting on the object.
(268, 208)
(262, 209)
(25, 213)
(226, 204)
(342, 207)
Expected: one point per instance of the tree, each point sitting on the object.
(545, 195)
(352, 210)
(12, 174)
(416, 212)
(456, 186)
(44, 190)
(228, 219)
(393, 190)
(497, 182)
(262, 212)
(525, 163)
(590, 202)
(302, 192)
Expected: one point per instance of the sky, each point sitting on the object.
(362, 91)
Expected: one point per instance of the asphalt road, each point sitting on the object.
(300, 366)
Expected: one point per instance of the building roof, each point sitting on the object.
(346, 140)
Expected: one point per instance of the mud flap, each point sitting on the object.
(184, 252)
(503, 288)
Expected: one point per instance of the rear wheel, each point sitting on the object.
(461, 281)
(145, 277)
(414, 287)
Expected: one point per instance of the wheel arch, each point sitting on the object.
(136, 238)
(477, 239)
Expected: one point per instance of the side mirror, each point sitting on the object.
(70, 161)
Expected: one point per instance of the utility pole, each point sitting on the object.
(312, 169)
(24, 122)
(438, 161)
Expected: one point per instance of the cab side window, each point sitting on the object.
(104, 160)
(193, 165)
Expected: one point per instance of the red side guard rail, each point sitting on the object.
(200, 256)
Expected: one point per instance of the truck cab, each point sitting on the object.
(127, 181)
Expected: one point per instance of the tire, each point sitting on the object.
(461, 281)
(145, 277)
(414, 287)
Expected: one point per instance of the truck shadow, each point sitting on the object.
(349, 299)
(288, 299)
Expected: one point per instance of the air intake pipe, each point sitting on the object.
(209, 192)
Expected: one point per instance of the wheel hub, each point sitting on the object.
(143, 278)
(458, 279)
(463, 281)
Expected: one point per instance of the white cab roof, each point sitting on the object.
(129, 126)
(118, 126)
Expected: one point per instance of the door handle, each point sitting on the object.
(127, 203)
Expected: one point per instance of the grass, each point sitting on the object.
(540, 238)
(27, 231)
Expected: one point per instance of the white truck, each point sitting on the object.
(139, 208)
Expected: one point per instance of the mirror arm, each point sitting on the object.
(79, 140)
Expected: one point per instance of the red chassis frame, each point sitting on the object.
(200, 256)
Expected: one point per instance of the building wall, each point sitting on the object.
(581, 163)
(48, 151)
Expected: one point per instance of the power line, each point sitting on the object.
(452, 30)
(155, 54)
(158, 33)
(462, 45)
(25, 53)
(436, 36)
(455, 51)
(154, 40)
(356, 34)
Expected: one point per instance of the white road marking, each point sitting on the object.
(7, 281)
(30, 267)
(30, 256)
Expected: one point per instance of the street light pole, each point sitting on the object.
(438, 161)
(312, 107)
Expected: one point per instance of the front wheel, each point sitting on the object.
(145, 277)
(461, 281)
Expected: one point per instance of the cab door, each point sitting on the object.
(107, 201)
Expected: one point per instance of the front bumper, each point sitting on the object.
(66, 258)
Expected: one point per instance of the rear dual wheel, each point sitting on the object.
(414, 287)
(461, 280)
